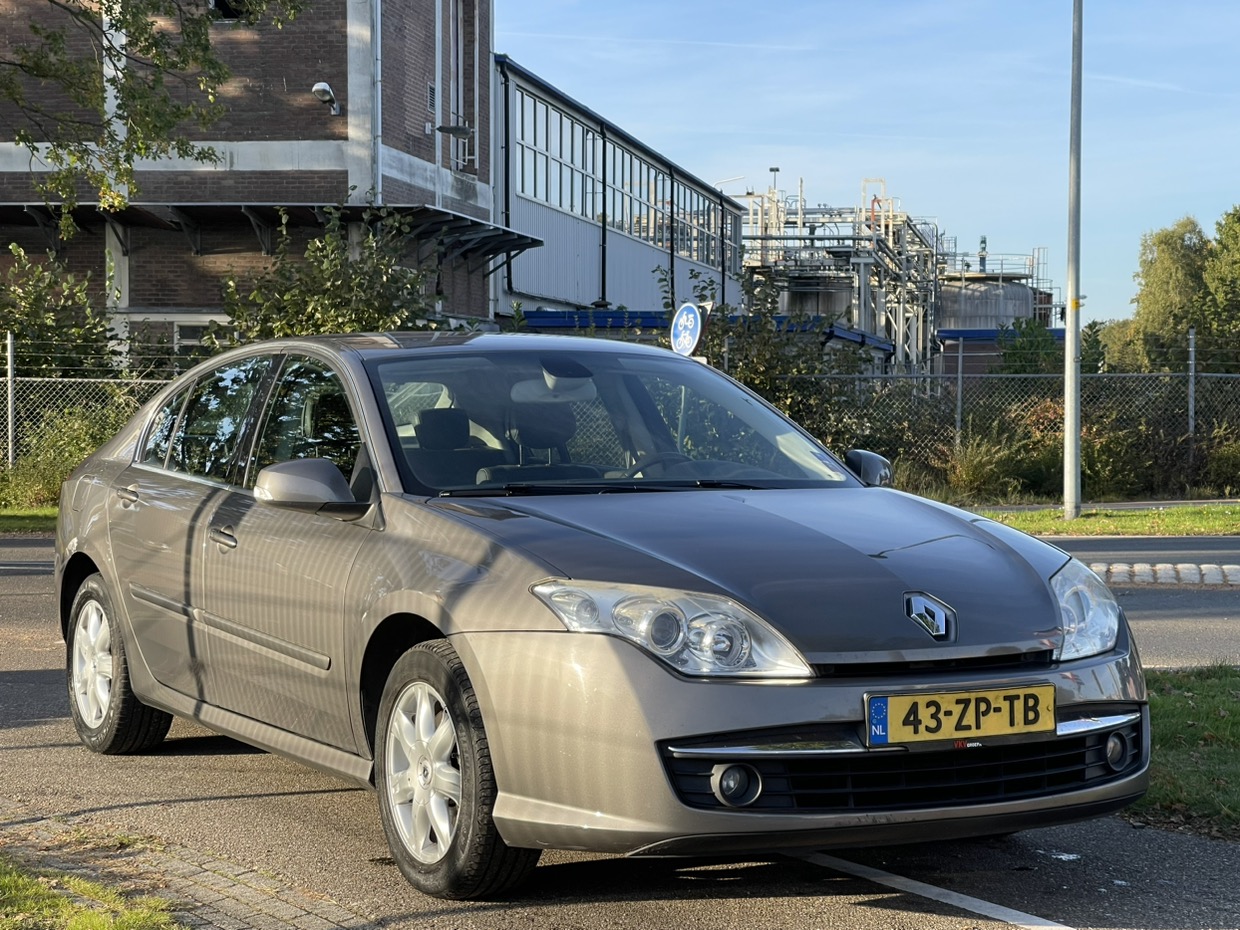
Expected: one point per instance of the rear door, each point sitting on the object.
(155, 516)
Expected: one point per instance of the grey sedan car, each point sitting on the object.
(552, 592)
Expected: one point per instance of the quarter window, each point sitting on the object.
(159, 437)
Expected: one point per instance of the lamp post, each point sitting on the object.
(1072, 311)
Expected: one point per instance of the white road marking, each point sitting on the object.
(934, 893)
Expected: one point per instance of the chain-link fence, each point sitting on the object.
(1142, 434)
(34, 405)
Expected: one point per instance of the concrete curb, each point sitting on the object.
(1123, 574)
(202, 892)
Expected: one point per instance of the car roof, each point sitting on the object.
(371, 345)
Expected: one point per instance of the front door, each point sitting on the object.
(275, 579)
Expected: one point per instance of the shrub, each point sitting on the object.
(53, 448)
(1222, 462)
(981, 468)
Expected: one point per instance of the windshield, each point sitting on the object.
(543, 421)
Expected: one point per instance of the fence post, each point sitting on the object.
(11, 380)
(959, 389)
(1192, 382)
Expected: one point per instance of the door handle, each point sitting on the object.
(129, 495)
(222, 536)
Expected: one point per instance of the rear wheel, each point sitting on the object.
(435, 782)
(107, 715)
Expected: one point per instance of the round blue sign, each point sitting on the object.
(686, 329)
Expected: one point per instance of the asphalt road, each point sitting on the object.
(215, 795)
(1218, 550)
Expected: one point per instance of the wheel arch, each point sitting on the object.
(79, 567)
(392, 638)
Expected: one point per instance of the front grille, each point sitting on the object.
(1023, 661)
(893, 781)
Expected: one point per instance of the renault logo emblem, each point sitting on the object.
(931, 614)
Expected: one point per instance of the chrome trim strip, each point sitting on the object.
(833, 748)
(840, 747)
(265, 641)
(159, 600)
(262, 640)
(1093, 724)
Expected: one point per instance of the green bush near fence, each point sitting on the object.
(1135, 437)
(55, 445)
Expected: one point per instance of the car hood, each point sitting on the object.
(830, 569)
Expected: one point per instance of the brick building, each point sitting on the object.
(407, 125)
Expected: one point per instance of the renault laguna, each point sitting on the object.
(545, 592)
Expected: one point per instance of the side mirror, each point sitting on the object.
(870, 467)
(309, 485)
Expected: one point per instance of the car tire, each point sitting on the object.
(107, 715)
(435, 782)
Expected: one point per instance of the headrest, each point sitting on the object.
(330, 414)
(442, 428)
(542, 426)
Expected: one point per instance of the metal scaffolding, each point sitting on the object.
(873, 268)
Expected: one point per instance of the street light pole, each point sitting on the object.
(1072, 312)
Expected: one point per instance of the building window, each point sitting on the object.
(227, 9)
(562, 162)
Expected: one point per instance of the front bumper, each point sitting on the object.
(596, 747)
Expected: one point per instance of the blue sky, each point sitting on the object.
(962, 106)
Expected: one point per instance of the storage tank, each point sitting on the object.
(816, 296)
(983, 304)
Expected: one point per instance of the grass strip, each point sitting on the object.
(1195, 769)
(28, 520)
(1202, 520)
(43, 899)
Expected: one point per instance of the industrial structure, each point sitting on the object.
(888, 280)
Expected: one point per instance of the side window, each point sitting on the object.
(159, 438)
(205, 441)
(308, 417)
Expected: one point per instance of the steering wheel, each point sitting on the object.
(655, 458)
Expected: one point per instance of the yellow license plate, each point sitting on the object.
(895, 719)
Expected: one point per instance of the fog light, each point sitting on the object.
(735, 785)
(1117, 751)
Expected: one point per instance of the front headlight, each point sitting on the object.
(1090, 613)
(696, 634)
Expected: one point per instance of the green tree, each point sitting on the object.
(51, 313)
(1171, 293)
(99, 84)
(1093, 352)
(1027, 347)
(338, 284)
(1122, 348)
(1222, 280)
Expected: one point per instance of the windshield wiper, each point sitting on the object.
(530, 488)
(526, 488)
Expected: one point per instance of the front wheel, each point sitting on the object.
(435, 782)
(107, 715)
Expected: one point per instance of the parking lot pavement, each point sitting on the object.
(201, 891)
